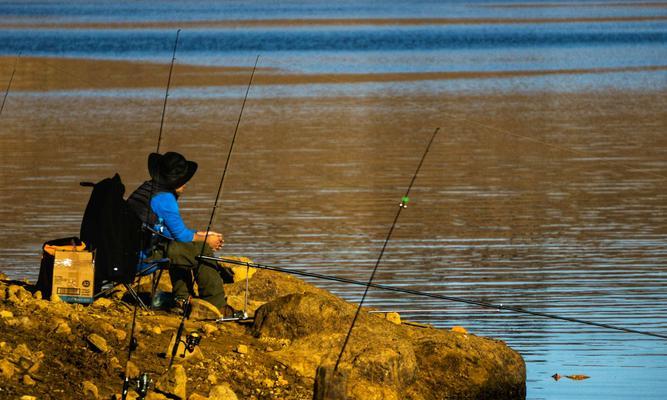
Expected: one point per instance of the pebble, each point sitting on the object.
(6, 369)
(242, 349)
(105, 327)
(132, 370)
(222, 392)
(156, 396)
(114, 363)
(28, 381)
(121, 335)
(98, 343)
(22, 350)
(27, 323)
(459, 329)
(209, 329)
(63, 329)
(35, 367)
(90, 390)
(103, 303)
(6, 314)
(394, 318)
(15, 290)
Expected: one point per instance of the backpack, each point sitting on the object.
(112, 230)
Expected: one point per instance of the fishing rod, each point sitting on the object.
(143, 382)
(229, 155)
(404, 203)
(9, 84)
(483, 304)
(186, 307)
(166, 95)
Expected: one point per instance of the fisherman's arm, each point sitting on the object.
(165, 206)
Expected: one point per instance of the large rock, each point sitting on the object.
(467, 366)
(301, 314)
(269, 285)
(173, 384)
(384, 360)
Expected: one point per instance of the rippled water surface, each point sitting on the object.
(545, 189)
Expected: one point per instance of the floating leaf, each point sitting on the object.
(577, 377)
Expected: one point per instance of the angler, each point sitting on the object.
(231, 314)
(157, 199)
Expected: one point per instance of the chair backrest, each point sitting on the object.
(111, 229)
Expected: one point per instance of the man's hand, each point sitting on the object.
(214, 239)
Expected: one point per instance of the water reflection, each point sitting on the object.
(544, 192)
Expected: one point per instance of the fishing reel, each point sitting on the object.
(192, 340)
(141, 384)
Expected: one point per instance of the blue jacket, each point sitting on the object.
(165, 207)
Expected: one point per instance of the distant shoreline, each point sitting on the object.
(270, 23)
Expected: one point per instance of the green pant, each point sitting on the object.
(183, 266)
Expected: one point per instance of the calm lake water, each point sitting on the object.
(545, 188)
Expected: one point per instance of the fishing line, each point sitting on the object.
(143, 383)
(483, 304)
(401, 206)
(229, 155)
(9, 84)
(186, 307)
(166, 96)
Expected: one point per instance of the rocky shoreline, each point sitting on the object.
(56, 350)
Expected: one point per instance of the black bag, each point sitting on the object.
(111, 229)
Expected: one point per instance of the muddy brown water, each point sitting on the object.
(554, 202)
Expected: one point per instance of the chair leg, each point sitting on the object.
(155, 283)
(135, 295)
(104, 292)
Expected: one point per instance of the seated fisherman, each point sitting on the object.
(155, 202)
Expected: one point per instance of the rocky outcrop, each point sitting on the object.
(73, 350)
(384, 360)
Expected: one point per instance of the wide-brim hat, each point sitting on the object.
(170, 169)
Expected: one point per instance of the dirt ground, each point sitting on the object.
(58, 360)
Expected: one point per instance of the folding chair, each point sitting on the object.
(112, 229)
